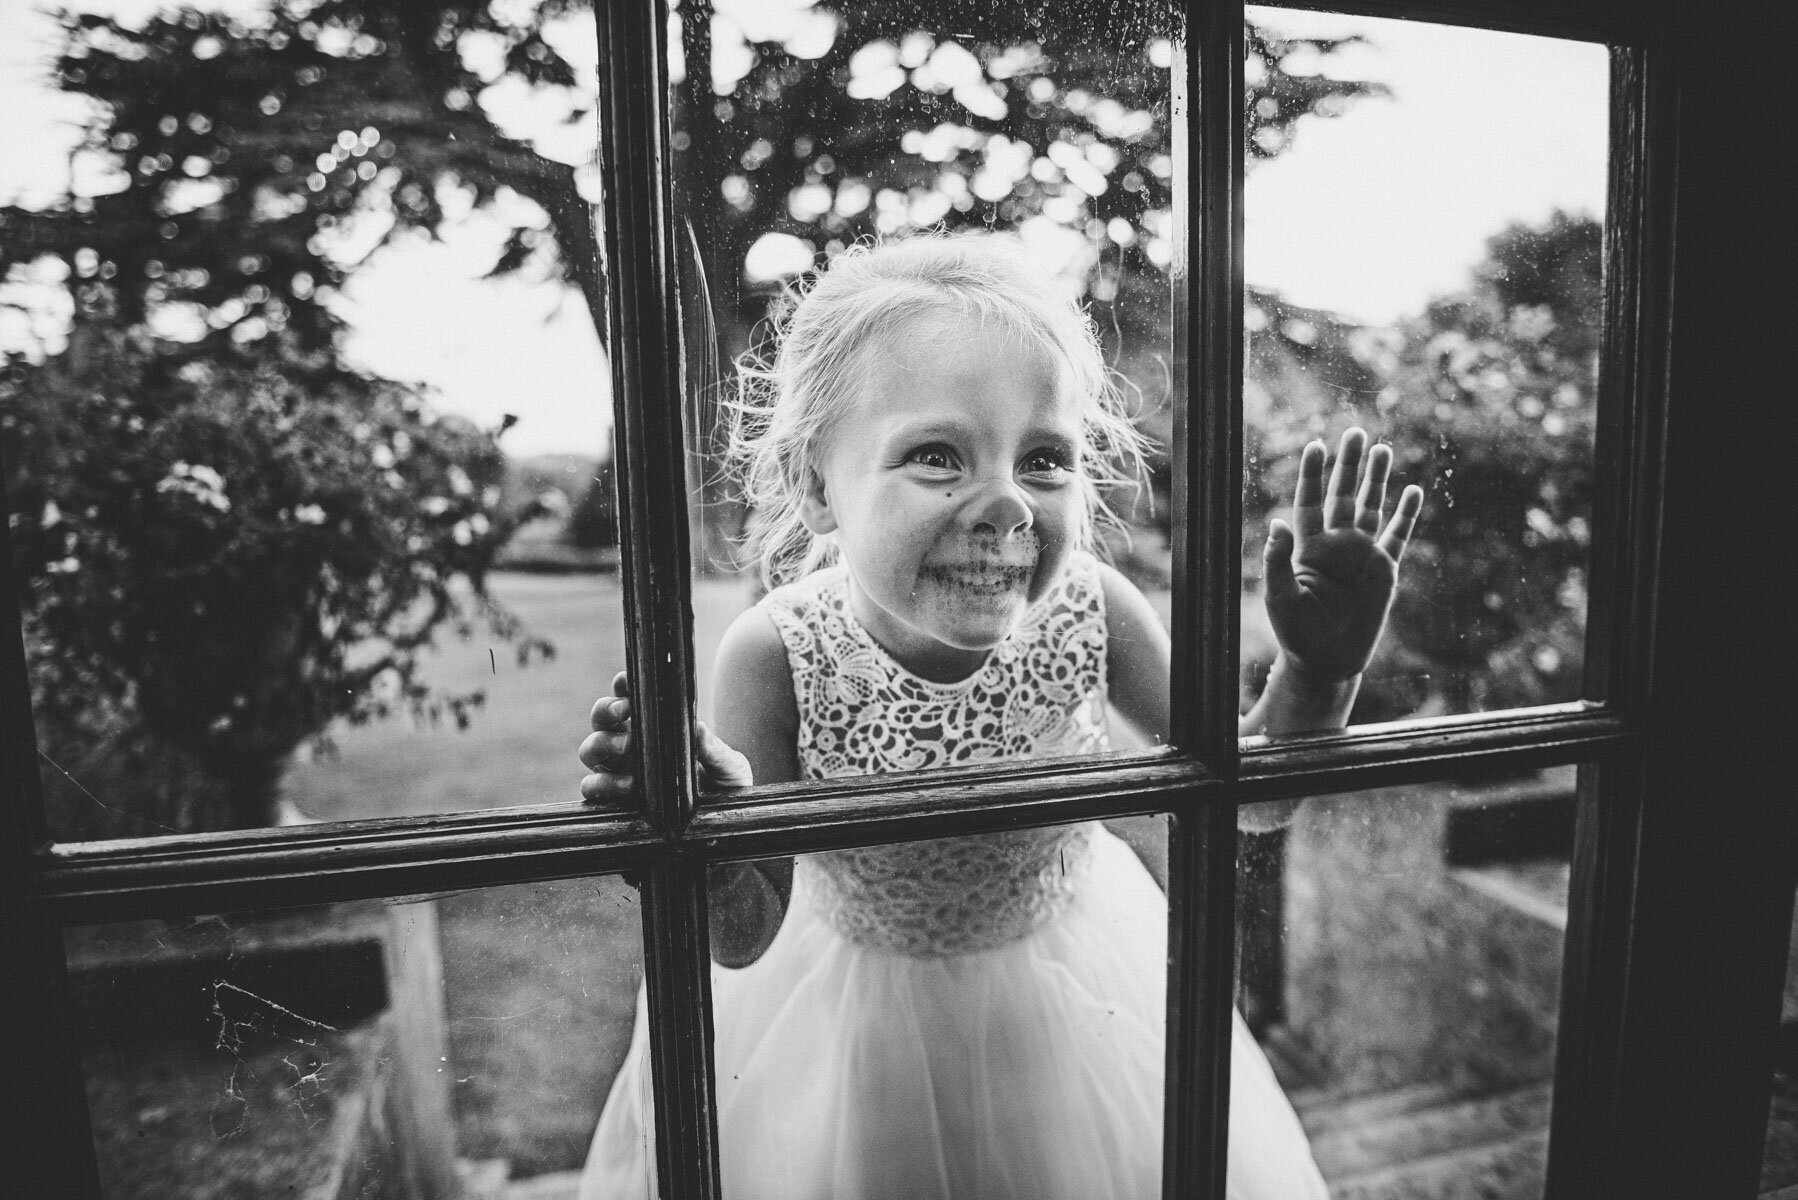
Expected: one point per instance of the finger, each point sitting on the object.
(621, 684)
(1339, 502)
(722, 765)
(1276, 562)
(1308, 501)
(1404, 520)
(610, 712)
(1372, 501)
(606, 788)
(604, 750)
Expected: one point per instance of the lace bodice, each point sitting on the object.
(1040, 693)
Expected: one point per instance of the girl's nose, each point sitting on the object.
(999, 509)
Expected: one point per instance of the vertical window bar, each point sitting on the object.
(23, 830)
(1201, 986)
(1207, 484)
(1595, 959)
(1627, 442)
(643, 345)
(677, 970)
(47, 1150)
(1207, 452)
(1586, 1121)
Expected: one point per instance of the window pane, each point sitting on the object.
(1424, 222)
(389, 1048)
(306, 429)
(1400, 962)
(970, 408)
(1779, 1163)
(977, 1016)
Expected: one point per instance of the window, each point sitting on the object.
(1679, 881)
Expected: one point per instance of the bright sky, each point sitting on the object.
(1370, 214)
(1373, 213)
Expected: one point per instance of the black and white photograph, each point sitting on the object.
(895, 600)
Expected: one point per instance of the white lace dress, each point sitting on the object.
(979, 1017)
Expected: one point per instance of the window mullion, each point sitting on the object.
(1206, 498)
(1608, 829)
(48, 1149)
(23, 831)
(677, 970)
(1595, 958)
(1207, 465)
(643, 343)
(1201, 1000)
(1624, 532)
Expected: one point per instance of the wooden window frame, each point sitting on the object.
(1656, 1074)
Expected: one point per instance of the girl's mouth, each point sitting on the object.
(981, 578)
(986, 567)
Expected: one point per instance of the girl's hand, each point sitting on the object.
(606, 752)
(1330, 583)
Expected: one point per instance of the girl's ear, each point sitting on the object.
(815, 509)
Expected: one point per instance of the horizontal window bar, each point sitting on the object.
(1459, 725)
(402, 856)
(869, 816)
(1414, 751)
(1582, 20)
(520, 851)
(347, 841)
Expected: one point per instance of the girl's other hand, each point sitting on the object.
(606, 752)
(1330, 581)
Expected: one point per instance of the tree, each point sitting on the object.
(236, 164)
(231, 157)
(227, 540)
(1491, 404)
(229, 556)
(855, 122)
(1488, 399)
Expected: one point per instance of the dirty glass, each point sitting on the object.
(305, 421)
(462, 1044)
(1399, 963)
(1423, 216)
(1779, 1160)
(978, 1016)
(805, 133)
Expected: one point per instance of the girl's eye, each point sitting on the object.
(1045, 462)
(937, 458)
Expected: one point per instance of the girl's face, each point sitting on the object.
(952, 487)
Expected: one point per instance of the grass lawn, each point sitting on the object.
(540, 980)
(519, 749)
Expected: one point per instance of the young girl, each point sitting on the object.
(977, 1017)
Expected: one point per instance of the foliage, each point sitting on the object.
(226, 540)
(867, 120)
(1046, 117)
(1492, 402)
(234, 553)
(1488, 398)
(229, 158)
(179, 452)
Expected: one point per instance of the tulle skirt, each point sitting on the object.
(1033, 1070)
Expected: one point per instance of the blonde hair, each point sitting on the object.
(790, 402)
